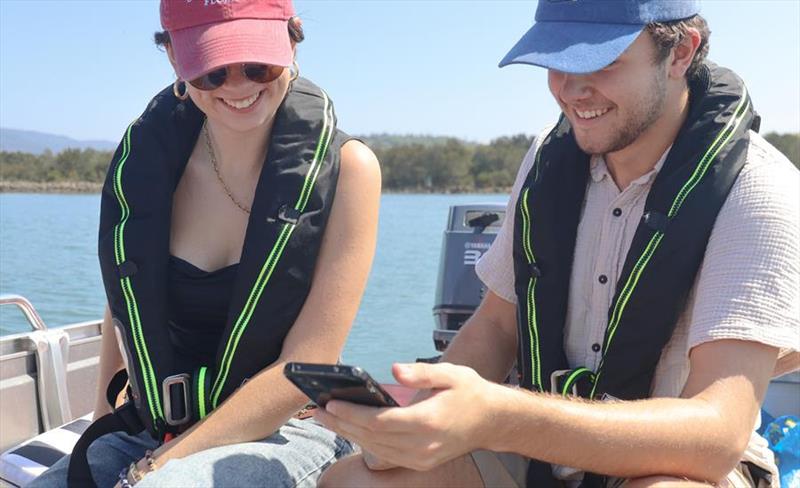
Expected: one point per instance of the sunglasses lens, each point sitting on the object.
(217, 77)
(262, 73)
(212, 80)
(257, 73)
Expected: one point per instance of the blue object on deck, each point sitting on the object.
(766, 419)
(783, 434)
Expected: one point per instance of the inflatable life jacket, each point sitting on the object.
(290, 209)
(660, 266)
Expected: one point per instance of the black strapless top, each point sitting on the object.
(197, 308)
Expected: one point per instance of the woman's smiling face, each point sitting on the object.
(240, 104)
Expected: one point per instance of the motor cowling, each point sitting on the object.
(470, 231)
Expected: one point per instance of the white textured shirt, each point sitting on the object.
(747, 288)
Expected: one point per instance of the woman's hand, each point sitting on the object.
(452, 421)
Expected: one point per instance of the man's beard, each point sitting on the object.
(647, 111)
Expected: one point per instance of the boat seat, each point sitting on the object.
(22, 464)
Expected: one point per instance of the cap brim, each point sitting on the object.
(572, 47)
(204, 48)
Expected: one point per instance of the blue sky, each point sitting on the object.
(85, 69)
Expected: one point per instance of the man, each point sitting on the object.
(646, 278)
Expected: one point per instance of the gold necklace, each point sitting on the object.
(216, 170)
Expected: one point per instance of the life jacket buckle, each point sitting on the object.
(176, 389)
(555, 382)
(288, 214)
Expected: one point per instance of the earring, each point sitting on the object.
(177, 91)
(294, 71)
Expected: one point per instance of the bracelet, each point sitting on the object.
(134, 474)
(123, 479)
(151, 463)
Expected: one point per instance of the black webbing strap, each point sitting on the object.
(79, 473)
(543, 473)
(115, 386)
(124, 418)
(592, 480)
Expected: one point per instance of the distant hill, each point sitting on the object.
(388, 141)
(33, 142)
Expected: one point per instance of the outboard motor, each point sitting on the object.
(471, 229)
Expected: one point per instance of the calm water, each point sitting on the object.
(48, 253)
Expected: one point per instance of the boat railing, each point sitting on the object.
(51, 350)
(30, 313)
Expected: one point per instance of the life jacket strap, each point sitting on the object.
(185, 396)
(115, 386)
(126, 412)
(201, 392)
(124, 419)
(592, 480)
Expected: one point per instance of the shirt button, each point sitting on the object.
(603, 279)
(596, 347)
(617, 212)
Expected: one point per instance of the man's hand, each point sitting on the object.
(375, 463)
(452, 421)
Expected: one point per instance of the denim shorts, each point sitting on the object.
(294, 456)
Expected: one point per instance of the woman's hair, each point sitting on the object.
(161, 38)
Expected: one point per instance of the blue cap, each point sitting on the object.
(581, 36)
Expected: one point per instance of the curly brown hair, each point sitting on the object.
(296, 34)
(667, 35)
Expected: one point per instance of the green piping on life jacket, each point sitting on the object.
(142, 354)
(275, 254)
(630, 285)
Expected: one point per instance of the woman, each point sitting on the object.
(224, 256)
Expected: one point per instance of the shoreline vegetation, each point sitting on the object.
(409, 164)
(89, 187)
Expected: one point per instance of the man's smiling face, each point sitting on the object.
(609, 109)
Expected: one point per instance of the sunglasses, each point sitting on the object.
(257, 73)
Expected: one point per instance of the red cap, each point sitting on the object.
(208, 34)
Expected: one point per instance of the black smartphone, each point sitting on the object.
(324, 382)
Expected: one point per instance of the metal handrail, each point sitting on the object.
(26, 306)
(51, 353)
